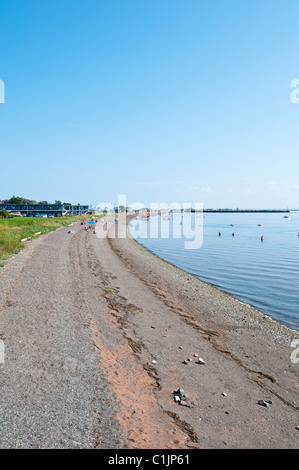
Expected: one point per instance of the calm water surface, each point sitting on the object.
(264, 273)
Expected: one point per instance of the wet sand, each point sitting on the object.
(97, 331)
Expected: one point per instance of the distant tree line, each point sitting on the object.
(24, 200)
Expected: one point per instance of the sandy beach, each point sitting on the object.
(99, 333)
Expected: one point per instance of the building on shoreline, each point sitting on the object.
(55, 210)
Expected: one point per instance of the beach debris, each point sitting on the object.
(297, 427)
(264, 402)
(200, 361)
(223, 394)
(154, 361)
(70, 231)
(182, 398)
(180, 393)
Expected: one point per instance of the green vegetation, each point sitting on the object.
(13, 230)
(24, 200)
(4, 214)
(19, 200)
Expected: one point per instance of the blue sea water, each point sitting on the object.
(264, 274)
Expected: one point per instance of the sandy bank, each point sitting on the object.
(248, 352)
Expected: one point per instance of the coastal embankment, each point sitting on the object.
(99, 333)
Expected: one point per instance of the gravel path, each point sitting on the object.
(53, 392)
(96, 331)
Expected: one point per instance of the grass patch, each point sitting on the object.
(12, 231)
(109, 289)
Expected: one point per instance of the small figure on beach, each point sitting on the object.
(219, 234)
(233, 234)
(262, 238)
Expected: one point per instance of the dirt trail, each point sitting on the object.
(95, 333)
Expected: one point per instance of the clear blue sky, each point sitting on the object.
(172, 100)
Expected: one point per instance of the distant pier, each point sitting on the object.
(238, 211)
